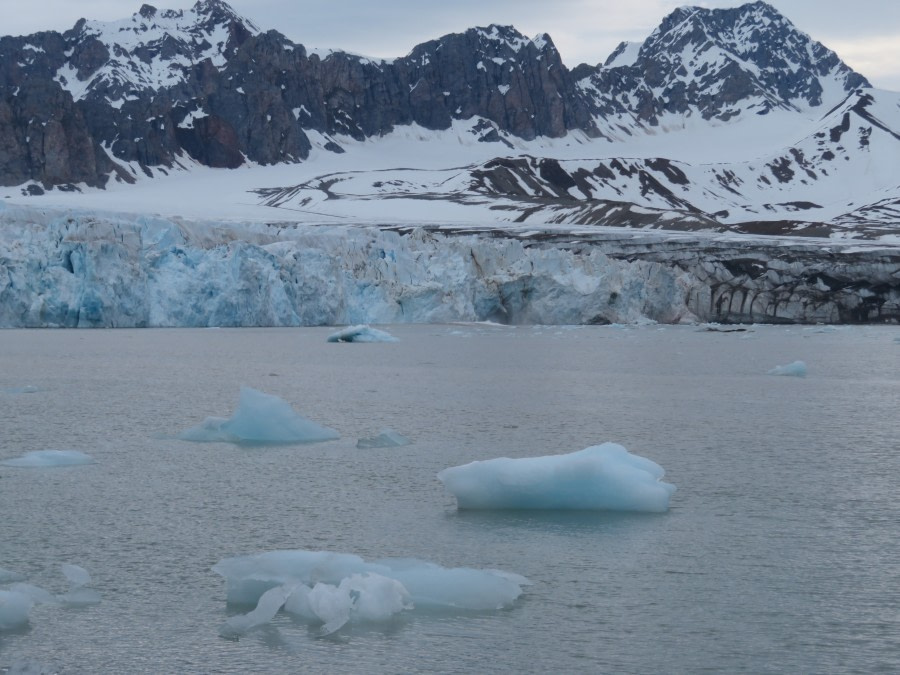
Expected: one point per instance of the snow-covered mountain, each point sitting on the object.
(726, 119)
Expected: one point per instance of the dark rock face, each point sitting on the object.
(78, 106)
(719, 63)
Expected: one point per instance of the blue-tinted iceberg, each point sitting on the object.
(79, 595)
(260, 418)
(15, 608)
(361, 333)
(388, 438)
(334, 588)
(599, 478)
(49, 458)
(8, 576)
(795, 369)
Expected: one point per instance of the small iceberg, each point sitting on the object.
(388, 438)
(332, 589)
(8, 576)
(49, 458)
(15, 609)
(260, 419)
(27, 389)
(795, 369)
(600, 478)
(361, 333)
(79, 595)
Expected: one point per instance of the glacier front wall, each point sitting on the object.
(76, 269)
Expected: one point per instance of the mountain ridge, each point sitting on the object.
(168, 90)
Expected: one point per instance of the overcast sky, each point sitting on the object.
(864, 33)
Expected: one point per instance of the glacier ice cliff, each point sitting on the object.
(63, 268)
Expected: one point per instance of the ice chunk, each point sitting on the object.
(361, 597)
(49, 458)
(601, 477)
(266, 609)
(14, 609)
(388, 438)
(368, 584)
(37, 594)
(80, 597)
(361, 333)
(27, 389)
(77, 576)
(260, 418)
(795, 369)
(8, 576)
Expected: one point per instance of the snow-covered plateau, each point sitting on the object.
(69, 268)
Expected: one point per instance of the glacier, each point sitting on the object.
(600, 478)
(259, 419)
(69, 268)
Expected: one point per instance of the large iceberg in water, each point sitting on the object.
(334, 588)
(600, 478)
(260, 418)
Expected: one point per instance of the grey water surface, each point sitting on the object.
(780, 553)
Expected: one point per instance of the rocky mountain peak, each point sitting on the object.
(720, 64)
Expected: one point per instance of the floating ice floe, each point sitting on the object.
(260, 418)
(27, 389)
(388, 438)
(361, 333)
(334, 588)
(49, 458)
(8, 576)
(15, 609)
(599, 478)
(795, 369)
(18, 599)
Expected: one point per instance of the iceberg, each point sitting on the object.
(599, 478)
(260, 419)
(78, 595)
(8, 576)
(795, 369)
(15, 608)
(388, 438)
(334, 588)
(361, 333)
(49, 458)
(27, 389)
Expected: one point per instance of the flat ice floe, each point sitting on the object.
(795, 369)
(361, 333)
(19, 598)
(334, 588)
(49, 458)
(15, 609)
(599, 478)
(387, 438)
(260, 418)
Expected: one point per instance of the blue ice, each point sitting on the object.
(260, 418)
(334, 588)
(388, 438)
(361, 333)
(795, 369)
(15, 609)
(49, 458)
(599, 478)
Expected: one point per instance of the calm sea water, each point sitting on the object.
(779, 554)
